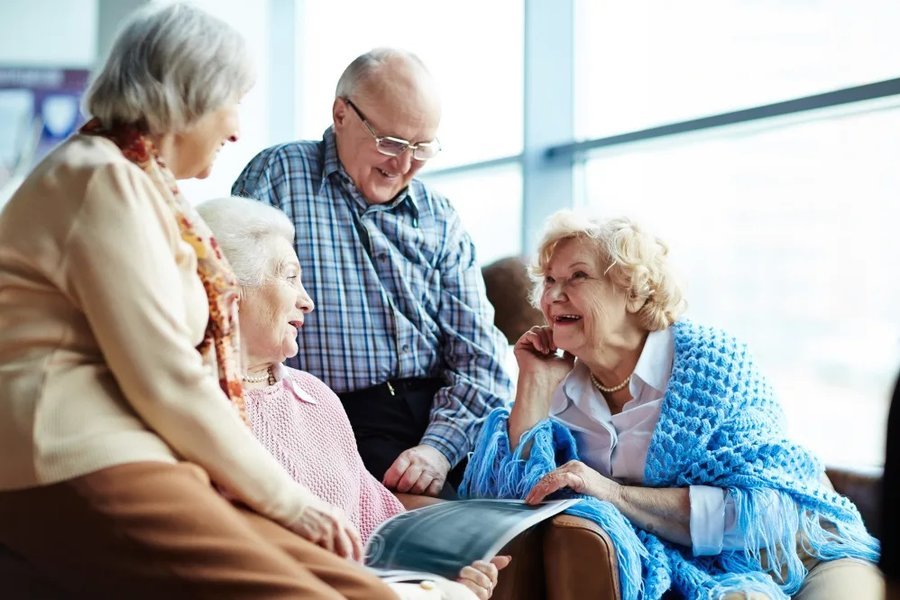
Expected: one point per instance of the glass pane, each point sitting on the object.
(642, 64)
(473, 49)
(489, 203)
(787, 238)
(49, 33)
(254, 107)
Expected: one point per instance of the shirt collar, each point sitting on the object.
(332, 163)
(332, 166)
(283, 374)
(654, 367)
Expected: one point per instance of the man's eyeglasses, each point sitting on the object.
(392, 146)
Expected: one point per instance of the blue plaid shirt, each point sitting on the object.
(397, 287)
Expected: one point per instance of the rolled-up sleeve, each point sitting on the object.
(707, 519)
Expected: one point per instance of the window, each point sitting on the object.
(254, 108)
(473, 49)
(642, 64)
(786, 233)
(489, 203)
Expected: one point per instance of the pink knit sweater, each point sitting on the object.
(303, 424)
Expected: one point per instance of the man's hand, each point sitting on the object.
(419, 470)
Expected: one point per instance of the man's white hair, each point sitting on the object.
(365, 65)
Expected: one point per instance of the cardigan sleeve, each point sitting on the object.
(119, 266)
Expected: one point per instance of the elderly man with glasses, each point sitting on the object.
(404, 329)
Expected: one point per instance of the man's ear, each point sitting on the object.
(339, 112)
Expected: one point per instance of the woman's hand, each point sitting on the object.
(579, 478)
(540, 371)
(481, 576)
(536, 354)
(327, 526)
(665, 512)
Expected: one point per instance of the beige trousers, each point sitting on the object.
(843, 579)
(155, 530)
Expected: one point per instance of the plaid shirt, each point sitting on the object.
(398, 290)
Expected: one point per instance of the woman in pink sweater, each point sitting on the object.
(294, 414)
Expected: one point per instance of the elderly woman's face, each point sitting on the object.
(584, 309)
(271, 314)
(197, 148)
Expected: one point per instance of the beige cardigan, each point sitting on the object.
(100, 311)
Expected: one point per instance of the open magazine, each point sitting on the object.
(440, 539)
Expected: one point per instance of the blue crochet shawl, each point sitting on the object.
(719, 425)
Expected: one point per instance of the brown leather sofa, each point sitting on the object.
(508, 289)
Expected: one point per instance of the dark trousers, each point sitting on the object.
(390, 418)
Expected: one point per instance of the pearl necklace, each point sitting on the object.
(609, 390)
(269, 376)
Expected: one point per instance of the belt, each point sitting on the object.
(394, 388)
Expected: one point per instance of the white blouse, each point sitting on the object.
(616, 445)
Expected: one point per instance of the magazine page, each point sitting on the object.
(443, 538)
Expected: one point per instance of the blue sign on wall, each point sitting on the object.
(39, 108)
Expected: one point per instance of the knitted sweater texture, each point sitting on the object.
(719, 425)
(303, 424)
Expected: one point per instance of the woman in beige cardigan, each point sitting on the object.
(120, 399)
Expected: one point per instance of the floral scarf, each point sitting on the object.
(221, 342)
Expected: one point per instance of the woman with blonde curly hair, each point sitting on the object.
(668, 430)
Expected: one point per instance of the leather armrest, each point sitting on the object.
(579, 560)
(411, 501)
(523, 579)
(863, 488)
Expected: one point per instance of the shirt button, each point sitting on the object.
(404, 349)
(383, 256)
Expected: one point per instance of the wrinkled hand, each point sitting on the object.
(536, 355)
(418, 470)
(327, 526)
(481, 576)
(579, 478)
